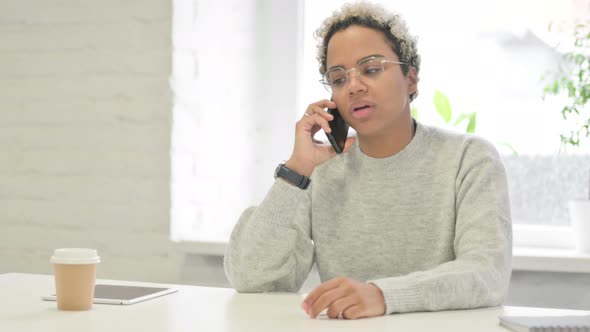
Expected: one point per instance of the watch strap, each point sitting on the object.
(292, 177)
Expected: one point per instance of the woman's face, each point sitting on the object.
(373, 106)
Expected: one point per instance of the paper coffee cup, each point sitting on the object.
(75, 276)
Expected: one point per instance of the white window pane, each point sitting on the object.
(489, 57)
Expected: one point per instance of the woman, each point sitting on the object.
(408, 218)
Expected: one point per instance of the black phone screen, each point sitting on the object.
(339, 131)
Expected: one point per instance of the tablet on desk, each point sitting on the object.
(118, 294)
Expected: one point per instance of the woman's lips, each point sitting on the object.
(362, 112)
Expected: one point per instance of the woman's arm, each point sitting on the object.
(270, 248)
(480, 274)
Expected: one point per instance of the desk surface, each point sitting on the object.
(217, 309)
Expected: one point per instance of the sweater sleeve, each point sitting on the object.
(270, 248)
(480, 274)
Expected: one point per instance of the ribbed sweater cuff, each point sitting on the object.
(282, 197)
(401, 295)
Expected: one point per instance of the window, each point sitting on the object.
(245, 70)
(235, 70)
(489, 58)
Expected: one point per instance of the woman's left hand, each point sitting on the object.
(347, 297)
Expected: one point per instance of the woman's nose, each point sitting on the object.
(355, 82)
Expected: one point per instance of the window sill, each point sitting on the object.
(550, 260)
(208, 248)
(523, 259)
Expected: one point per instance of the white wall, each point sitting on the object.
(85, 135)
(235, 84)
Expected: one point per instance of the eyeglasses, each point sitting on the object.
(336, 79)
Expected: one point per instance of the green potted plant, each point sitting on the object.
(573, 78)
(444, 110)
(448, 118)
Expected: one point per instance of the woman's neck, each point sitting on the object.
(387, 144)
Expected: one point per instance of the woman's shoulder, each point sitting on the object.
(465, 143)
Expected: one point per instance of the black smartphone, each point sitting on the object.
(339, 131)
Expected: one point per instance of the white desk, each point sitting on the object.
(215, 309)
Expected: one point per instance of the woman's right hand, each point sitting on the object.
(308, 152)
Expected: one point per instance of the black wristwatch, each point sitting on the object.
(292, 177)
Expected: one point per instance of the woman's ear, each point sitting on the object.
(412, 79)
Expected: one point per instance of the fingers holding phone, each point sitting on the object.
(319, 110)
(308, 152)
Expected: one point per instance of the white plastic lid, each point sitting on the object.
(75, 256)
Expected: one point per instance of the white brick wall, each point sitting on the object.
(85, 114)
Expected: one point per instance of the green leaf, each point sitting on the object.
(461, 118)
(414, 112)
(565, 111)
(585, 92)
(443, 106)
(548, 89)
(472, 123)
(575, 109)
(563, 139)
(555, 87)
(571, 89)
(509, 147)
